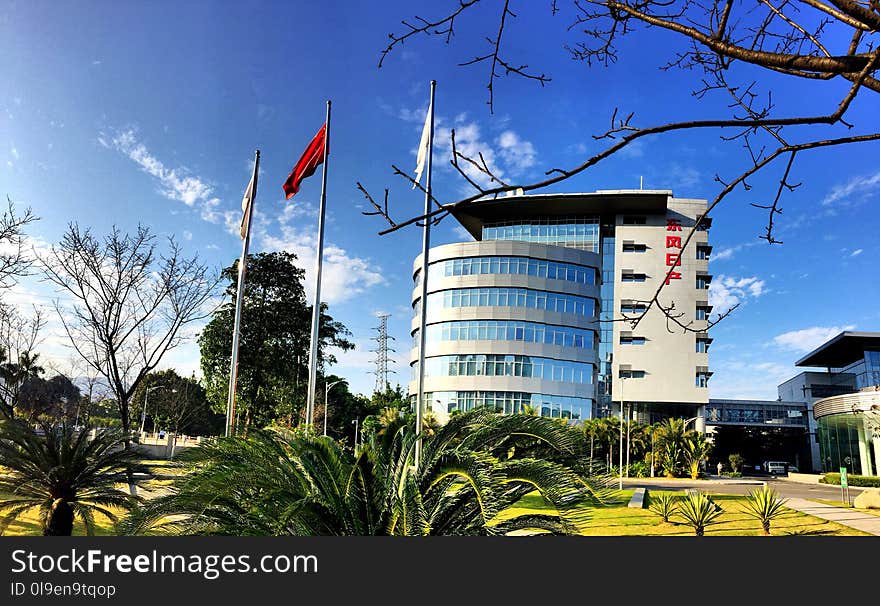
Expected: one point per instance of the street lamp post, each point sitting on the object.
(629, 416)
(144, 411)
(620, 445)
(327, 388)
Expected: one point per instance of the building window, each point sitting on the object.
(703, 281)
(504, 365)
(511, 297)
(634, 219)
(574, 232)
(632, 340)
(633, 277)
(632, 308)
(705, 224)
(702, 312)
(702, 379)
(468, 266)
(632, 374)
(703, 345)
(508, 330)
(703, 252)
(633, 247)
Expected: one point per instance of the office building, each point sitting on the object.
(534, 314)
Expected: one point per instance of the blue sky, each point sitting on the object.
(119, 113)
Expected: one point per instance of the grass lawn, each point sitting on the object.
(873, 512)
(619, 520)
(614, 519)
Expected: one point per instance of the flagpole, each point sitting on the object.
(236, 330)
(426, 244)
(316, 307)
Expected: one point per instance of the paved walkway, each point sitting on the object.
(865, 522)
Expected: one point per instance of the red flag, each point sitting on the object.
(311, 158)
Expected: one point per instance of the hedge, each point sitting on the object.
(863, 481)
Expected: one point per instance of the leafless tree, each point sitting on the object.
(831, 42)
(125, 304)
(14, 258)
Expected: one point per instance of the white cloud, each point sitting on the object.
(342, 276)
(807, 339)
(729, 251)
(14, 153)
(864, 186)
(507, 155)
(175, 184)
(856, 252)
(187, 234)
(727, 291)
(518, 154)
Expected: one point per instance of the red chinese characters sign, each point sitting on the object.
(673, 259)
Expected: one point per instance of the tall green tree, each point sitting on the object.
(176, 404)
(54, 398)
(274, 343)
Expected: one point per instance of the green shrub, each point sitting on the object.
(664, 505)
(639, 469)
(699, 511)
(852, 480)
(765, 505)
(736, 461)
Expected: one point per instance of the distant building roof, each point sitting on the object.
(842, 350)
(505, 208)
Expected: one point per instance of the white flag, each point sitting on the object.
(248, 199)
(423, 147)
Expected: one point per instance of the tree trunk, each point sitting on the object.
(122, 403)
(60, 521)
(699, 530)
(591, 455)
(766, 526)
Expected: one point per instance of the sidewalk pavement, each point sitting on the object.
(865, 522)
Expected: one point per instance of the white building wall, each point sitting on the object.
(669, 358)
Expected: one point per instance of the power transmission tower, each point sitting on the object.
(381, 352)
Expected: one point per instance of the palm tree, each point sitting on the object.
(765, 505)
(61, 472)
(473, 471)
(699, 511)
(696, 449)
(670, 442)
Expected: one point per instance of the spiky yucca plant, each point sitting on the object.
(699, 511)
(765, 505)
(664, 505)
(62, 473)
(473, 471)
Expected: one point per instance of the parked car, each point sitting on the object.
(775, 467)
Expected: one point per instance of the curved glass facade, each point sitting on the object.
(502, 365)
(511, 402)
(510, 297)
(573, 232)
(845, 440)
(496, 265)
(508, 330)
